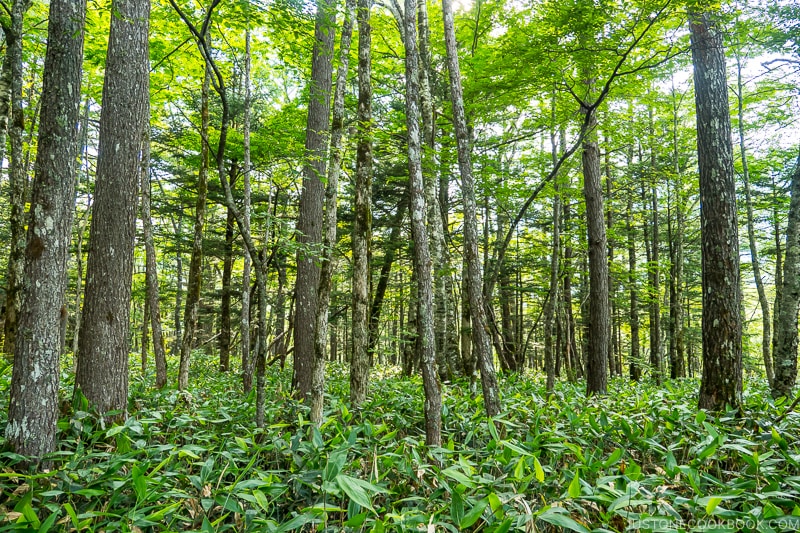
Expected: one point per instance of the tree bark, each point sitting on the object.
(635, 368)
(362, 227)
(33, 406)
(247, 377)
(553, 297)
(785, 342)
(151, 265)
(766, 322)
(598, 327)
(194, 280)
(330, 218)
(425, 347)
(17, 177)
(227, 289)
(653, 267)
(309, 222)
(722, 327)
(102, 373)
(480, 332)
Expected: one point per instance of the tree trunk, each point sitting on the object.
(102, 373)
(635, 368)
(151, 265)
(362, 227)
(551, 306)
(194, 280)
(309, 222)
(176, 312)
(227, 274)
(247, 377)
(330, 218)
(598, 330)
(653, 267)
(426, 348)
(17, 177)
(785, 342)
(676, 258)
(480, 332)
(722, 323)
(766, 322)
(33, 405)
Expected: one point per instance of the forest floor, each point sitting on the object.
(640, 459)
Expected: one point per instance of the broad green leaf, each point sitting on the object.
(574, 490)
(613, 458)
(354, 490)
(539, 471)
(474, 514)
(712, 504)
(560, 519)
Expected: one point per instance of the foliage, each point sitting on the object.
(641, 459)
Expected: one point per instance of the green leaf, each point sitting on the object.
(454, 473)
(712, 504)
(48, 523)
(354, 490)
(574, 490)
(139, 483)
(613, 458)
(456, 508)
(474, 514)
(295, 523)
(537, 467)
(560, 519)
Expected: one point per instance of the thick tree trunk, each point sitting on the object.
(598, 330)
(102, 373)
(785, 342)
(194, 280)
(722, 323)
(17, 177)
(151, 265)
(330, 218)
(309, 222)
(362, 227)
(33, 406)
(480, 331)
(426, 348)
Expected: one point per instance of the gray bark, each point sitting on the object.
(362, 227)
(33, 406)
(422, 260)
(480, 332)
(247, 378)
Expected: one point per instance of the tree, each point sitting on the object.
(362, 227)
(102, 372)
(785, 342)
(330, 219)
(426, 341)
(151, 266)
(309, 220)
(33, 408)
(722, 327)
(480, 332)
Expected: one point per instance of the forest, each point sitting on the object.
(372, 265)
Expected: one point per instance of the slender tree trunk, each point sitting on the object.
(553, 298)
(33, 405)
(480, 333)
(676, 257)
(386, 269)
(362, 227)
(330, 218)
(247, 377)
(785, 343)
(176, 312)
(194, 280)
(151, 274)
(635, 369)
(426, 348)
(17, 177)
(227, 274)
(766, 322)
(610, 254)
(653, 267)
(102, 374)
(309, 222)
(722, 323)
